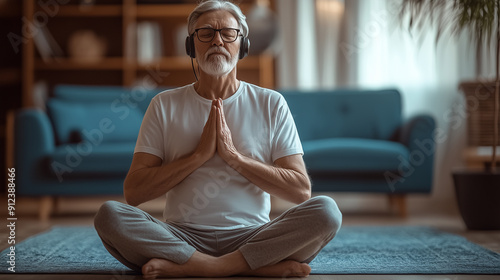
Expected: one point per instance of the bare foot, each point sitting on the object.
(160, 267)
(201, 265)
(282, 269)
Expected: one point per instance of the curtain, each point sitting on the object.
(309, 36)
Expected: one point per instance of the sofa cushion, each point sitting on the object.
(368, 114)
(86, 158)
(93, 121)
(138, 96)
(353, 155)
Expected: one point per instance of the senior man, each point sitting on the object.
(218, 148)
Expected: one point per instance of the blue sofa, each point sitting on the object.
(354, 141)
(357, 141)
(82, 145)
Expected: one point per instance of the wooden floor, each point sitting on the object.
(29, 225)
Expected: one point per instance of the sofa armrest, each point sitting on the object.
(417, 133)
(416, 171)
(34, 141)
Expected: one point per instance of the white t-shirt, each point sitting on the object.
(215, 196)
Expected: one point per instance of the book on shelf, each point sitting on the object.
(181, 34)
(47, 46)
(149, 42)
(130, 42)
(40, 95)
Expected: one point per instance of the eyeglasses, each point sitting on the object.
(207, 34)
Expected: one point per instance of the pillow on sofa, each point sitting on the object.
(93, 120)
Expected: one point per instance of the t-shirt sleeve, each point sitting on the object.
(285, 139)
(150, 139)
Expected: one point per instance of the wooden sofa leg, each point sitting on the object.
(46, 204)
(397, 203)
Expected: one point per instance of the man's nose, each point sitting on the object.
(217, 41)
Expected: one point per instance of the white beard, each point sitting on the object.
(218, 65)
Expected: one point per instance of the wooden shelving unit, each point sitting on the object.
(113, 20)
(9, 10)
(162, 11)
(90, 11)
(108, 63)
(10, 77)
(475, 157)
(172, 10)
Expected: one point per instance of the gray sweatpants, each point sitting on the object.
(134, 237)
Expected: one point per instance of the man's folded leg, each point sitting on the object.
(134, 237)
(298, 234)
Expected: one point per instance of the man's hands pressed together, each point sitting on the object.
(160, 178)
(208, 141)
(216, 136)
(225, 146)
(287, 178)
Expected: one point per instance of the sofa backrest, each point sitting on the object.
(372, 114)
(106, 113)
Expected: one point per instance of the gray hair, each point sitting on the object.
(214, 5)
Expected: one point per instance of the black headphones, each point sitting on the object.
(244, 47)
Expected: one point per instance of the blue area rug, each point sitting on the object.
(355, 250)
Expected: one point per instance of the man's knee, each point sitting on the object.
(326, 213)
(106, 215)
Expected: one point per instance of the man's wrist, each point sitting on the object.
(235, 161)
(198, 158)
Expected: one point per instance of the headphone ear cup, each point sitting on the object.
(190, 47)
(244, 47)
